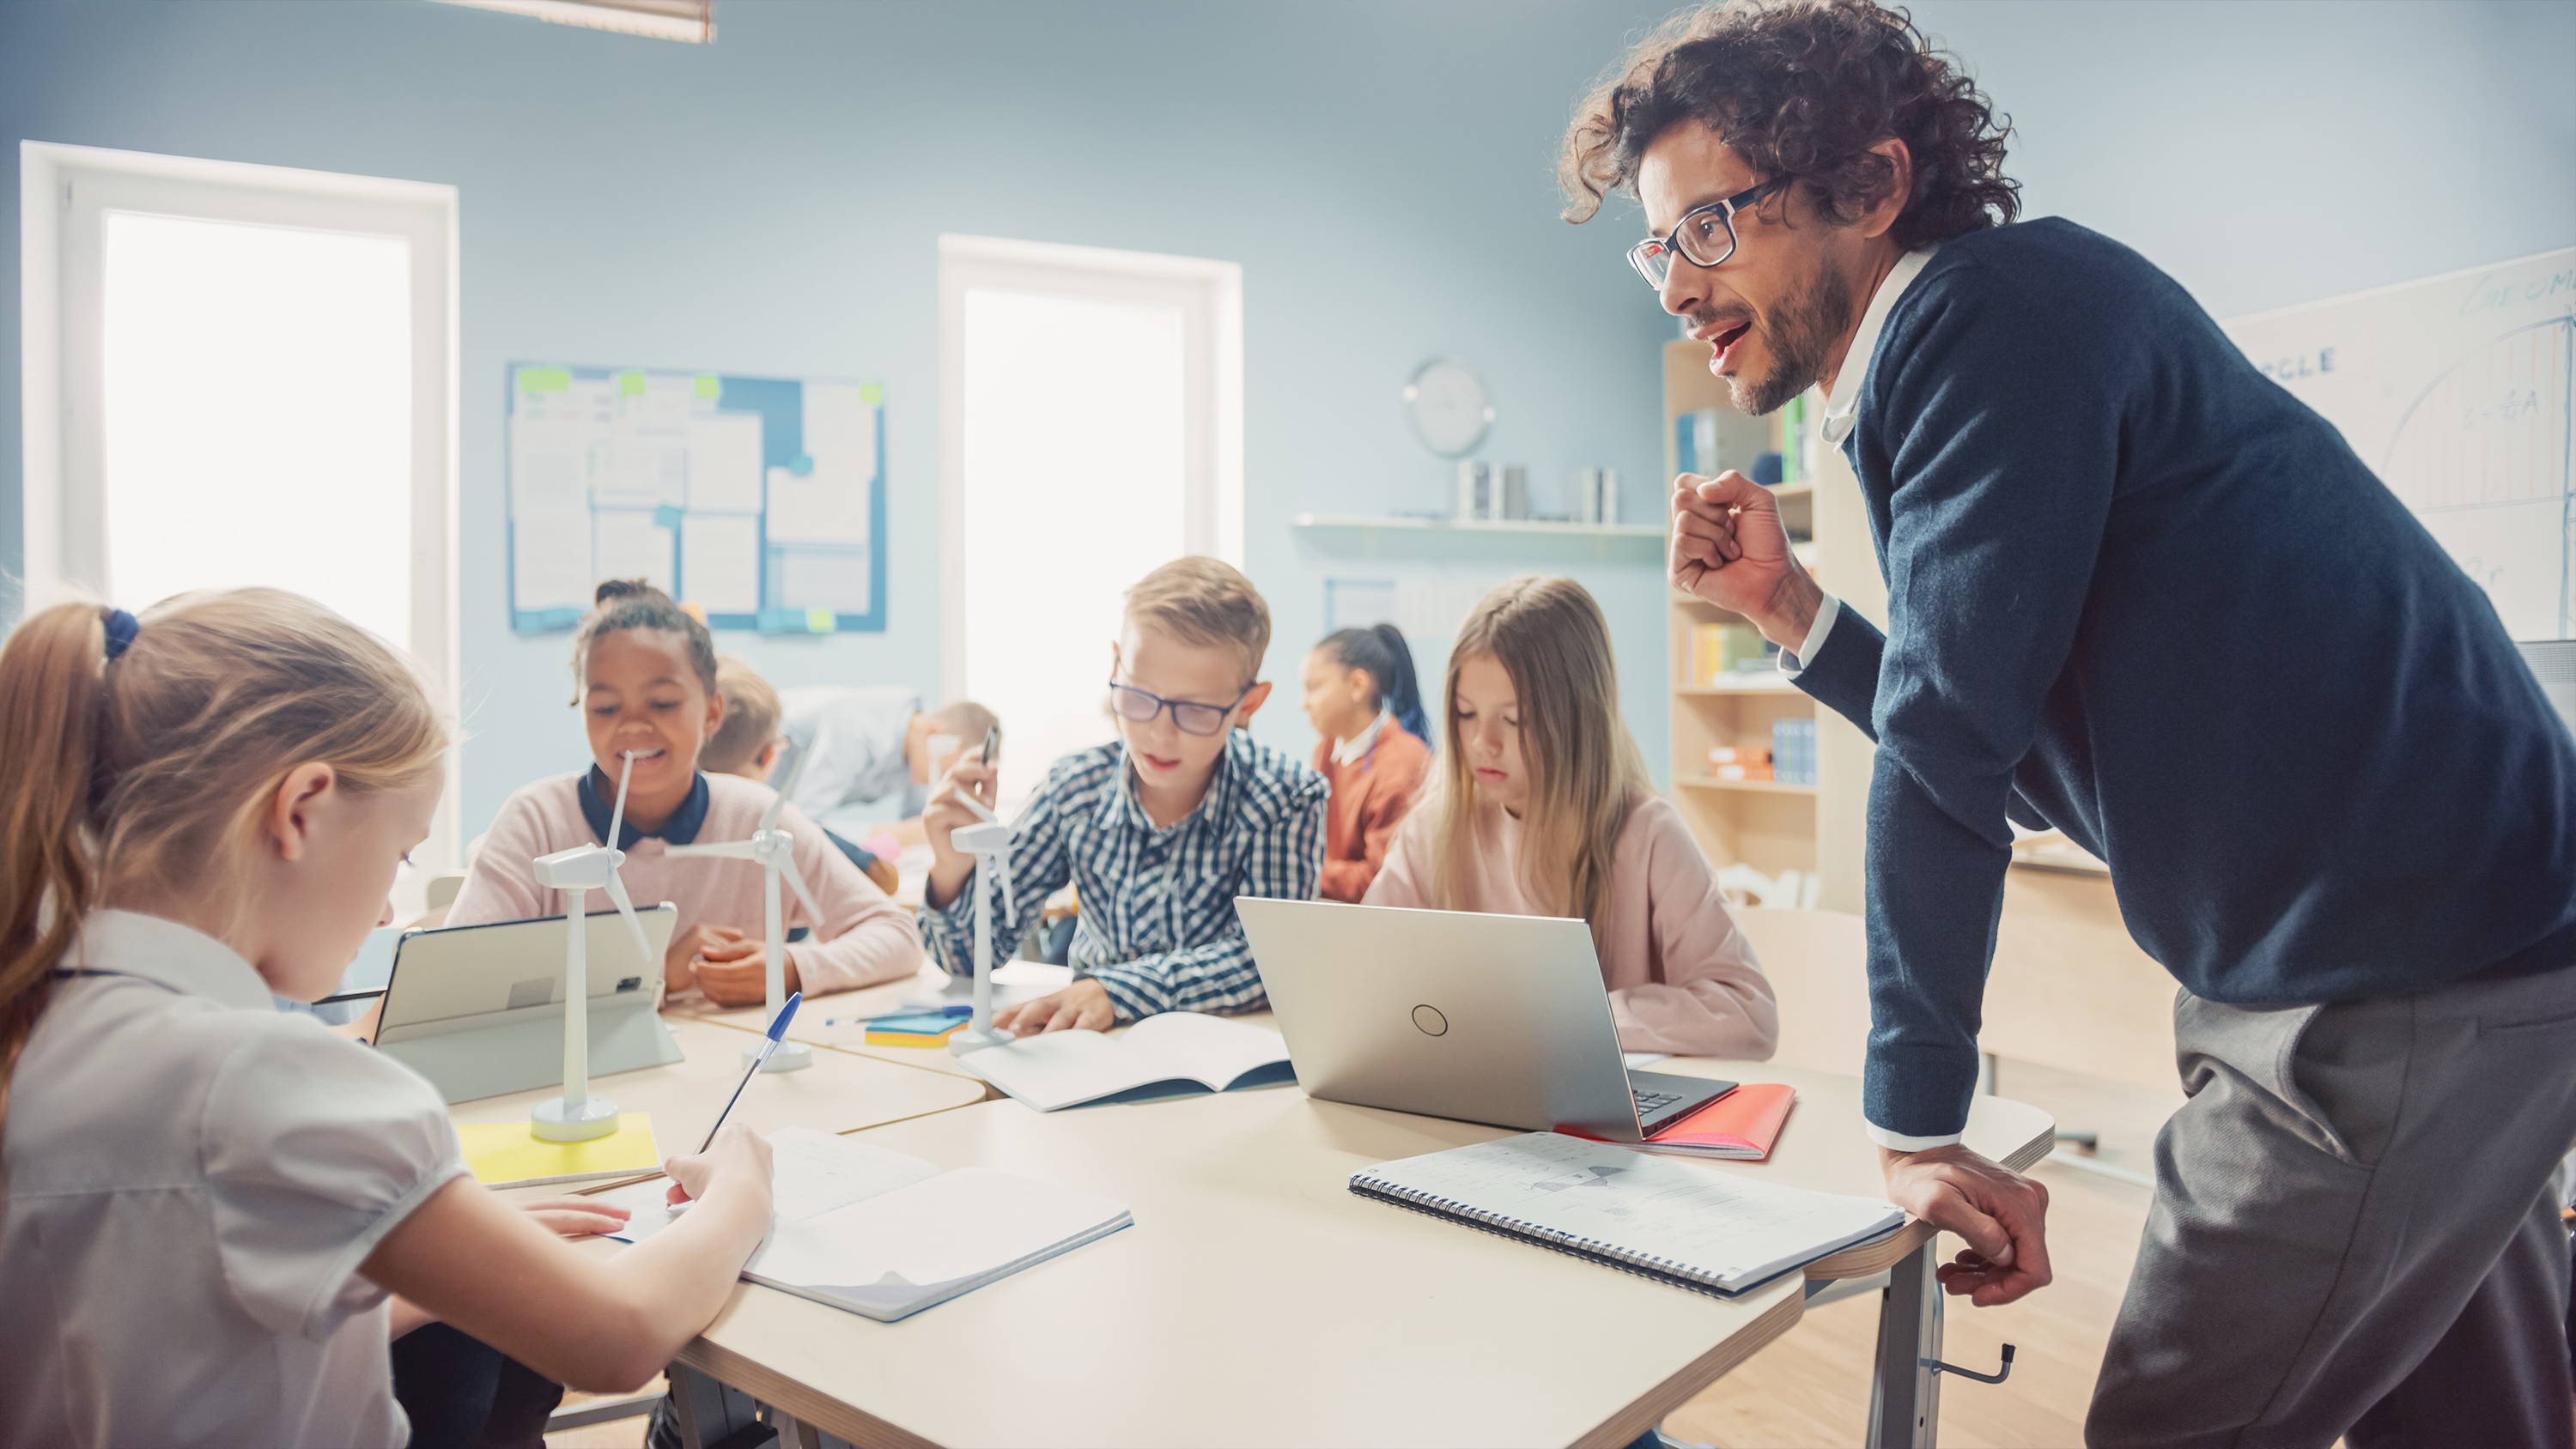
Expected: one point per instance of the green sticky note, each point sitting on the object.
(707, 387)
(630, 384)
(871, 393)
(544, 379)
(819, 621)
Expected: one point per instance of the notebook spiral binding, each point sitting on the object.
(1591, 1250)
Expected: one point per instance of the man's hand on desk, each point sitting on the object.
(2000, 1213)
(1083, 1006)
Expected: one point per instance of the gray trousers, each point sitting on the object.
(2356, 1229)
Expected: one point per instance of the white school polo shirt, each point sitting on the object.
(192, 1179)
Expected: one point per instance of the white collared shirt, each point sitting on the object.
(1842, 414)
(1355, 749)
(193, 1180)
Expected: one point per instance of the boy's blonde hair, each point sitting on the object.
(156, 766)
(1205, 601)
(751, 716)
(1585, 770)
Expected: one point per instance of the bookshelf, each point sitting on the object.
(1769, 825)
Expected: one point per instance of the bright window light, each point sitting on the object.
(258, 414)
(1074, 471)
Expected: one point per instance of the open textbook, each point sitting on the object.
(886, 1234)
(1177, 1051)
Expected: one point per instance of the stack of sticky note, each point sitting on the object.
(507, 1154)
(917, 1028)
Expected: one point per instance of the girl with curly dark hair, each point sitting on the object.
(2110, 541)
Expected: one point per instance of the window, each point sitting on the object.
(243, 375)
(1092, 421)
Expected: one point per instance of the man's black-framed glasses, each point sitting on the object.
(1136, 706)
(1705, 236)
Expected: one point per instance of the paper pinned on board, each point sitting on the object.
(724, 463)
(629, 545)
(827, 506)
(720, 559)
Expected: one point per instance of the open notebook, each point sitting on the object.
(1677, 1222)
(886, 1234)
(1178, 1051)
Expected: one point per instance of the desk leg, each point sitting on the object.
(1905, 1394)
(711, 1414)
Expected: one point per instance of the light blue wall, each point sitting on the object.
(769, 205)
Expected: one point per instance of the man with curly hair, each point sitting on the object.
(2139, 593)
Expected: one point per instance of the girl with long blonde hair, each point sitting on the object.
(204, 1202)
(1545, 808)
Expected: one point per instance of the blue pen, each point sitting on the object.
(777, 1033)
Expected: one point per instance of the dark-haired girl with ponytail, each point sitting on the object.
(1363, 698)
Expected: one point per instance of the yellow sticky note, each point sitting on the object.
(820, 621)
(695, 611)
(507, 1154)
(544, 379)
(871, 393)
(707, 386)
(630, 384)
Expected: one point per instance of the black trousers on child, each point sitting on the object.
(461, 1393)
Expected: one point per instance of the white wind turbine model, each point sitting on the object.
(774, 851)
(577, 1116)
(990, 843)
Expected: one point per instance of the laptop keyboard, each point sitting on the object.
(1649, 1103)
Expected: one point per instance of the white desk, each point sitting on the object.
(839, 1093)
(1258, 1301)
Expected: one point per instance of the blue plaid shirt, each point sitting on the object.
(1158, 927)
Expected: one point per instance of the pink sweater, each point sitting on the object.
(1682, 977)
(863, 939)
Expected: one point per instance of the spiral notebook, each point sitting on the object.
(1677, 1222)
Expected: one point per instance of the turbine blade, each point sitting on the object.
(786, 787)
(643, 944)
(813, 912)
(617, 817)
(730, 849)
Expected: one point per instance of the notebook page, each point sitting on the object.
(1206, 1048)
(1059, 1068)
(811, 1173)
(960, 1225)
(1714, 1223)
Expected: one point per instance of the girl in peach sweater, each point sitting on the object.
(1544, 809)
(648, 681)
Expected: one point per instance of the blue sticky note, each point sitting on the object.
(925, 1024)
(553, 618)
(778, 621)
(667, 516)
(801, 465)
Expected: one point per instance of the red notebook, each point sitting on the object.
(1738, 1127)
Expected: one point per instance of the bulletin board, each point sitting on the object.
(757, 502)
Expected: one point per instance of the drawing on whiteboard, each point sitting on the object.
(2460, 392)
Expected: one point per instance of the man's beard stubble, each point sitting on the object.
(1804, 328)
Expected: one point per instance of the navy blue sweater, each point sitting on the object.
(2140, 593)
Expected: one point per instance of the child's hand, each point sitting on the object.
(738, 1160)
(1083, 1006)
(714, 943)
(741, 980)
(576, 1217)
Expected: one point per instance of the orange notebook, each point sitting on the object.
(1738, 1127)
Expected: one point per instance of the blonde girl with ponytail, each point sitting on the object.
(205, 1203)
(1544, 808)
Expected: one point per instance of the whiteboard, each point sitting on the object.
(758, 503)
(2460, 393)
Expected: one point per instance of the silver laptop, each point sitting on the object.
(479, 1010)
(1498, 1019)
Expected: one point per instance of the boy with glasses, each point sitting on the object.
(1159, 830)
